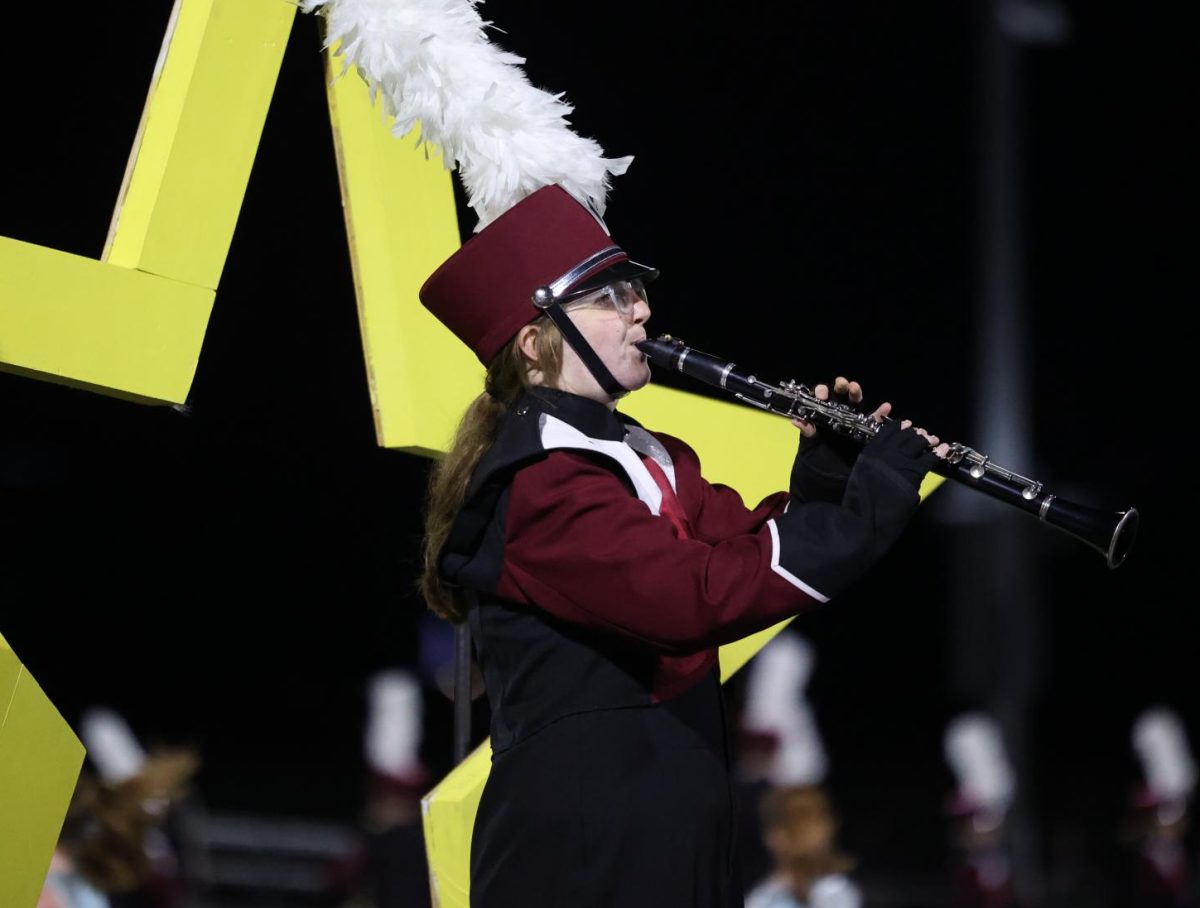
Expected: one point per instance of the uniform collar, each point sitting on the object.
(518, 443)
(588, 416)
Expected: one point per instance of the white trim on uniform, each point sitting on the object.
(557, 434)
(784, 572)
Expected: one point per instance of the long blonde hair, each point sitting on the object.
(508, 376)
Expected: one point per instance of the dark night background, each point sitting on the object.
(806, 178)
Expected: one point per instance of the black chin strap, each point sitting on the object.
(584, 350)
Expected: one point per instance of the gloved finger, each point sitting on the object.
(807, 429)
(931, 439)
(912, 441)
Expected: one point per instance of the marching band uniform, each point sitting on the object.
(598, 570)
(603, 572)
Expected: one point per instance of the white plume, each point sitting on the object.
(1161, 744)
(393, 735)
(775, 703)
(111, 745)
(975, 751)
(432, 62)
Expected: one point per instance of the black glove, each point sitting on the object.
(903, 450)
(831, 452)
(820, 471)
(823, 466)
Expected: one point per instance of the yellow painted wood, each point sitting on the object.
(40, 759)
(132, 325)
(402, 224)
(199, 132)
(448, 815)
(73, 320)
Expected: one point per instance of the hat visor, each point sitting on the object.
(621, 271)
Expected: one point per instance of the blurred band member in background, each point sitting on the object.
(113, 851)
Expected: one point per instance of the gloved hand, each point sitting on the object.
(911, 452)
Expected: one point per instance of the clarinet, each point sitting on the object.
(1109, 533)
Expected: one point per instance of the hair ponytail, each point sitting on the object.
(507, 378)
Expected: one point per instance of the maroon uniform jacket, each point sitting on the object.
(596, 627)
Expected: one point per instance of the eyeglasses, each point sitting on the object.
(619, 296)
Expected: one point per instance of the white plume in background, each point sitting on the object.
(974, 748)
(111, 745)
(432, 63)
(1162, 746)
(394, 715)
(775, 704)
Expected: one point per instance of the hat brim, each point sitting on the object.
(621, 271)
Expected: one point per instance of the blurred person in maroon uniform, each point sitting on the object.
(391, 871)
(978, 811)
(1158, 815)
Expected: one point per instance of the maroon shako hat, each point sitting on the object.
(545, 250)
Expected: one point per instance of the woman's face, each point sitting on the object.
(611, 320)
